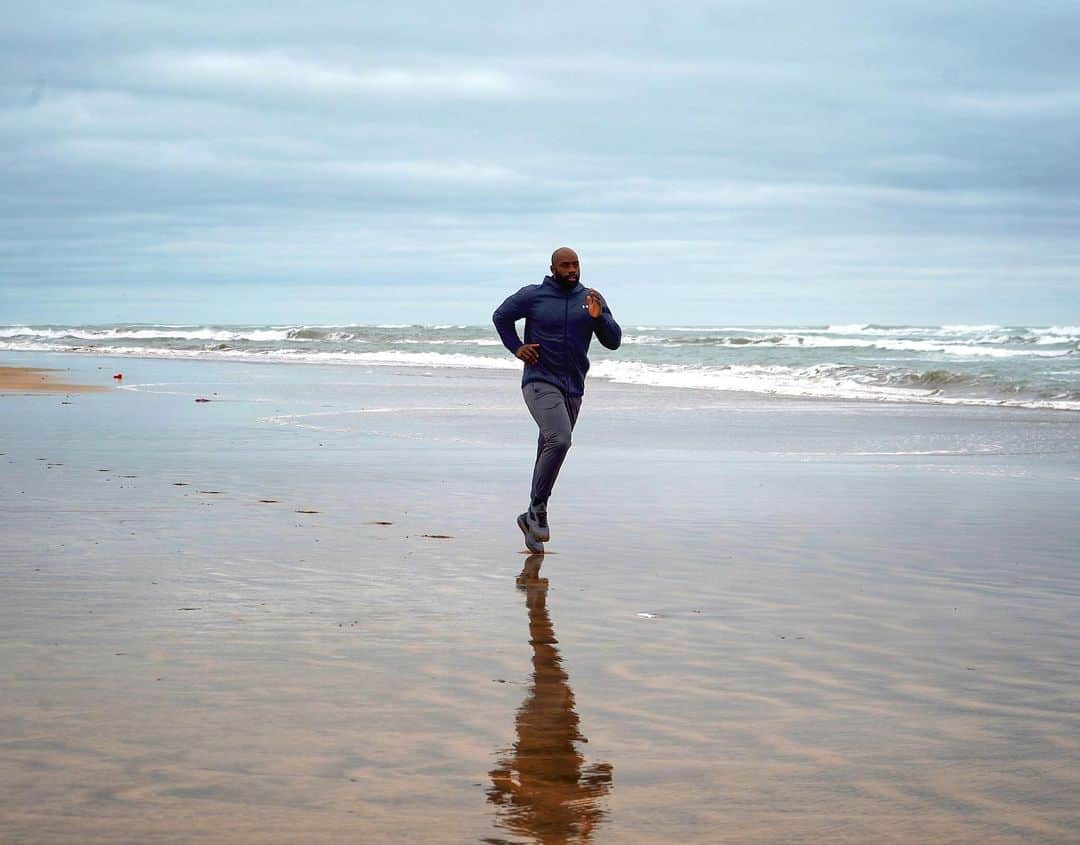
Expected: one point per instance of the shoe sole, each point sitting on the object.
(531, 543)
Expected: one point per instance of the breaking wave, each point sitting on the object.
(972, 364)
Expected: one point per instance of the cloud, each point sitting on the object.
(1063, 103)
(713, 145)
(273, 73)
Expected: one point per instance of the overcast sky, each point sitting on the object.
(778, 163)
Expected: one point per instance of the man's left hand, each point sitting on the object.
(594, 302)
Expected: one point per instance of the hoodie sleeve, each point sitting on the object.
(514, 308)
(606, 329)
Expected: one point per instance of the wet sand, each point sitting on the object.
(37, 379)
(301, 612)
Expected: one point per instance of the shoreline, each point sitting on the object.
(733, 396)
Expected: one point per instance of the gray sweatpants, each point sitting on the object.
(555, 413)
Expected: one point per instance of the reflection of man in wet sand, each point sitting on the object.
(541, 785)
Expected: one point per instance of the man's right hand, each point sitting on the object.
(529, 353)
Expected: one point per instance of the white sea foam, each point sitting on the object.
(468, 341)
(821, 381)
(907, 331)
(824, 382)
(148, 333)
(959, 364)
(853, 328)
(962, 328)
(817, 341)
(970, 350)
(388, 357)
(966, 350)
(435, 359)
(290, 419)
(29, 346)
(708, 329)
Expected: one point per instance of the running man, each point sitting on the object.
(561, 318)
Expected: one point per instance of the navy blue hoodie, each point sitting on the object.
(558, 319)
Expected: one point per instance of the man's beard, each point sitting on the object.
(567, 281)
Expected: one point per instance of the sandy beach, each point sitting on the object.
(35, 379)
(300, 612)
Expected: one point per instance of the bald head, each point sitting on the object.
(562, 252)
(565, 266)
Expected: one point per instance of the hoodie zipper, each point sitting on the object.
(565, 321)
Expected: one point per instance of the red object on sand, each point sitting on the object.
(118, 376)
(200, 399)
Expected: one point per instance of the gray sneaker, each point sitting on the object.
(531, 543)
(538, 524)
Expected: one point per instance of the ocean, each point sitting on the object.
(1011, 366)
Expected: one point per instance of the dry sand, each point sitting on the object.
(38, 380)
